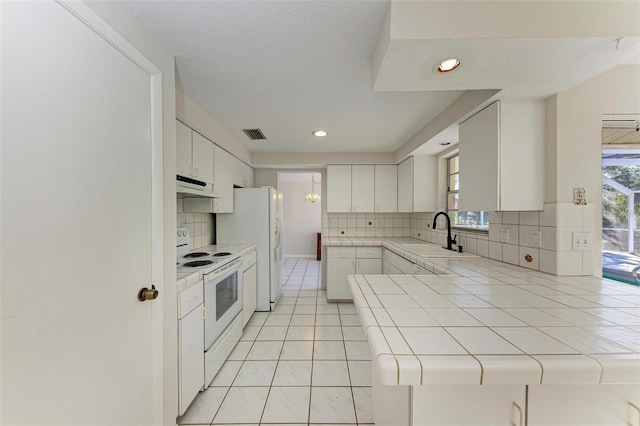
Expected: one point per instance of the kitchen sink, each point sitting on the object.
(432, 250)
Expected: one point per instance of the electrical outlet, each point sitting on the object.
(504, 235)
(581, 241)
(537, 238)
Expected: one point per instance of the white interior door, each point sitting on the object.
(78, 216)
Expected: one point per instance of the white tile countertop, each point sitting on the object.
(495, 323)
(190, 277)
(421, 253)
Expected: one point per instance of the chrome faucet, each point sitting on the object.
(450, 241)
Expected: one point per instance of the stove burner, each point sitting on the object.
(195, 255)
(197, 263)
(221, 254)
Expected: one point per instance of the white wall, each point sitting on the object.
(574, 141)
(301, 220)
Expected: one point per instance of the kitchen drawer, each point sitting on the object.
(248, 260)
(341, 252)
(368, 253)
(189, 299)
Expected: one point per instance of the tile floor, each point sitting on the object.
(306, 363)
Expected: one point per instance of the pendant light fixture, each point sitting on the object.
(313, 196)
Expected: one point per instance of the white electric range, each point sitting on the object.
(222, 283)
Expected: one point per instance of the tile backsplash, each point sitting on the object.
(367, 224)
(538, 240)
(201, 226)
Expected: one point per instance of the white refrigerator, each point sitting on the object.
(257, 219)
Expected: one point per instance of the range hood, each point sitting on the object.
(194, 187)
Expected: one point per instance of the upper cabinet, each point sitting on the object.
(362, 188)
(243, 175)
(502, 157)
(199, 158)
(224, 181)
(194, 154)
(183, 149)
(418, 184)
(386, 188)
(339, 188)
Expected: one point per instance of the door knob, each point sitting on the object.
(147, 293)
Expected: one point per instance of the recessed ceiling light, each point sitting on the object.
(448, 65)
(319, 133)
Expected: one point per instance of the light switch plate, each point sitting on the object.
(581, 241)
(504, 235)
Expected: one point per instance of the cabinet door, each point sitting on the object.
(425, 183)
(183, 149)
(577, 405)
(490, 405)
(203, 159)
(249, 177)
(223, 179)
(386, 188)
(362, 188)
(369, 266)
(249, 283)
(337, 285)
(338, 189)
(479, 169)
(405, 186)
(238, 173)
(191, 357)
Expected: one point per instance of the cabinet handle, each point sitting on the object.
(195, 172)
(377, 208)
(520, 415)
(635, 408)
(204, 312)
(191, 170)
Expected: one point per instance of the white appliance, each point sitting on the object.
(257, 219)
(222, 279)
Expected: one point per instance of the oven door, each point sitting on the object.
(222, 300)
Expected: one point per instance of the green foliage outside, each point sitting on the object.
(614, 206)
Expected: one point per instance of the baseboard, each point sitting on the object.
(306, 256)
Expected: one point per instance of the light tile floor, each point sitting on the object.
(306, 363)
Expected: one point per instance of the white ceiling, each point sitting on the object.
(290, 67)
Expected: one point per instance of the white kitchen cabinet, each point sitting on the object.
(576, 405)
(194, 154)
(203, 159)
(338, 188)
(190, 344)
(490, 405)
(362, 188)
(242, 174)
(418, 184)
(223, 181)
(397, 265)
(386, 188)
(249, 287)
(183, 149)
(344, 261)
(502, 157)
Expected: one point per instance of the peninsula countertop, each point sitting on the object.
(495, 323)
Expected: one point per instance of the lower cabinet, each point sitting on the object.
(249, 287)
(478, 405)
(394, 264)
(191, 345)
(344, 261)
(577, 405)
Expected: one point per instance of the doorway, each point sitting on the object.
(302, 213)
(620, 200)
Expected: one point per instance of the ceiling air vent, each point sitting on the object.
(254, 134)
